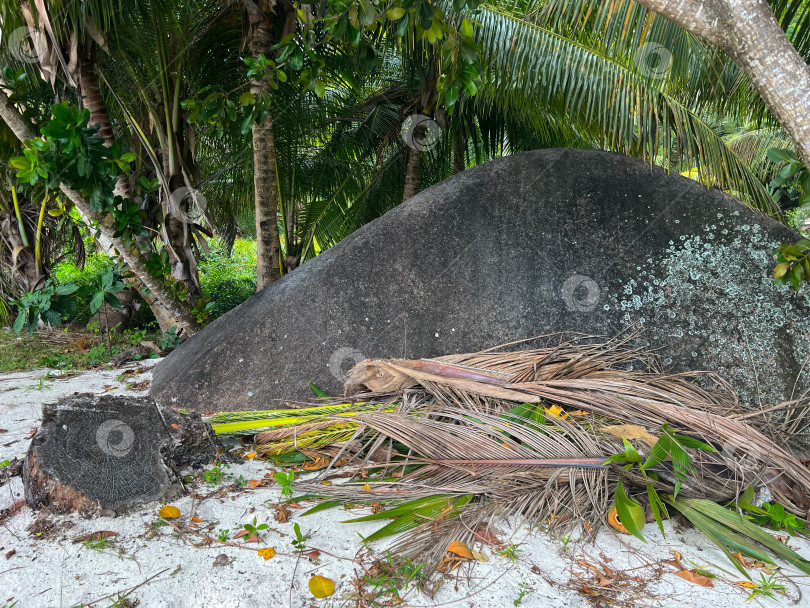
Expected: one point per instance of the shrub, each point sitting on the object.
(228, 281)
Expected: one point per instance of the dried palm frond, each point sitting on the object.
(453, 444)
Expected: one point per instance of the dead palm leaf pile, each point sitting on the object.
(555, 436)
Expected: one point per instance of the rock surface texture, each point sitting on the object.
(539, 242)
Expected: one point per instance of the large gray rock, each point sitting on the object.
(540, 242)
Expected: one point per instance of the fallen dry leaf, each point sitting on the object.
(250, 455)
(481, 557)
(254, 483)
(461, 549)
(98, 535)
(694, 577)
(314, 554)
(630, 432)
(196, 520)
(746, 584)
(169, 512)
(10, 553)
(282, 515)
(267, 553)
(321, 587)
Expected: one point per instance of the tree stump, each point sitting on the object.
(103, 455)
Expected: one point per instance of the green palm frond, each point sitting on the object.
(628, 112)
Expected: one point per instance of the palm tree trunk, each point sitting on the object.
(412, 171)
(748, 31)
(94, 102)
(459, 163)
(168, 312)
(264, 170)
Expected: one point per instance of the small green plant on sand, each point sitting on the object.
(285, 480)
(255, 528)
(300, 540)
(222, 535)
(767, 587)
(510, 552)
(390, 578)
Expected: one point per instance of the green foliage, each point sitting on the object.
(222, 535)
(670, 445)
(300, 540)
(285, 480)
(766, 587)
(793, 261)
(213, 476)
(793, 264)
(227, 281)
(71, 152)
(390, 578)
(734, 533)
(170, 340)
(51, 304)
(769, 515)
(255, 528)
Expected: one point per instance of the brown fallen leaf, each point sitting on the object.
(254, 483)
(10, 553)
(282, 514)
(98, 535)
(694, 577)
(313, 555)
(630, 432)
(196, 520)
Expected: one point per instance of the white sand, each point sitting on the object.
(52, 571)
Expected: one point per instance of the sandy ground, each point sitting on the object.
(41, 566)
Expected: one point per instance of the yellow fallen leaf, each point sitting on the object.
(556, 411)
(196, 520)
(267, 553)
(321, 587)
(459, 548)
(481, 557)
(326, 482)
(250, 455)
(746, 584)
(366, 487)
(169, 512)
(253, 483)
